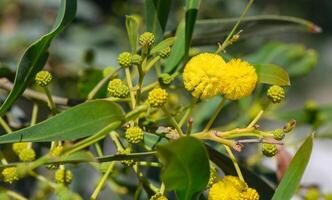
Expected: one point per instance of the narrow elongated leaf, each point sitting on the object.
(156, 12)
(80, 121)
(183, 36)
(294, 173)
(35, 56)
(272, 74)
(264, 189)
(132, 25)
(186, 167)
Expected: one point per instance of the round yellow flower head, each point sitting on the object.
(146, 39)
(238, 80)
(43, 78)
(116, 88)
(136, 59)
(127, 163)
(157, 97)
(27, 154)
(134, 135)
(223, 191)
(232, 188)
(10, 175)
(63, 176)
(202, 75)
(278, 134)
(124, 59)
(19, 146)
(249, 194)
(158, 196)
(276, 94)
(269, 150)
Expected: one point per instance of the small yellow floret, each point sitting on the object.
(236, 182)
(27, 154)
(43, 78)
(134, 135)
(249, 194)
(202, 75)
(157, 97)
(63, 176)
(127, 163)
(19, 146)
(238, 80)
(10, 175)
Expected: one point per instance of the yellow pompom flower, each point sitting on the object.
(43, 78)
(157, 97)
(63, 176)
(238, 80)
(232, 188)
(19, 146)
(10, 175)
(202, 75)
(134, 135)
(27, 154)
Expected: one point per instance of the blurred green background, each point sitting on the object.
(99, 30)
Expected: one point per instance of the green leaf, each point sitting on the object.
(293, 175)
(186, 167)
(132, 25)
(294, 58)
(80, 121)
(35, 56)
(183, 36)
(162, 45)
(272, 74)
(264, 188)
(156, 12)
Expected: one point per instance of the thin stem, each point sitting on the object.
(5, 126)
(188, 112)
(255, 120)
(150, 86)
(130, 85)
(102, 181)
(34, 114)
(99, 150)
(151, 64)
(141, 75)
(225, 43)
(236, 165)
(42, 179)
(172, 121)
(51, 103)
(143, 180)
(214, 115)
(15, 195)
(101, 83)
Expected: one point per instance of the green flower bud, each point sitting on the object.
(165, 79)
(134, 135)
(127, 163)
(27, 155)
(164, 53)
(43, 78)
(269, 150)
(19, 146)
(276, 94)
(157, 97)
(125, 59)
(147, 39)
(116, 88)
(10, 175)
(136, 59)
(158, 196)
(63, 176)
(278, 134)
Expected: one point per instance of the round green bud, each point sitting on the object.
(269, 150)
(43, 78)
(27, 155)
(127, 163)
(136, 59)
(10, 175)
(19, 146)
(164, 53)
(107, 71)
(116, 88)
(165, 79)
(213, 177)
(147, 39)
(276, 94)
(134, 135)
(63, 176)
(157, 97)
(312, 193)
(278, 134)
(125, 59)
(158, 196)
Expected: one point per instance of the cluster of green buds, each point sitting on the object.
(157, 97)
(116, 88)
(134, 135)
(63, 176)
(276, 94)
